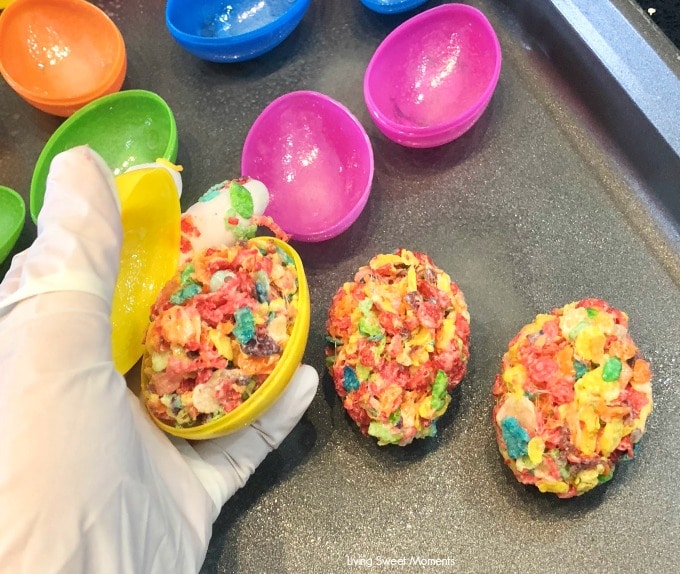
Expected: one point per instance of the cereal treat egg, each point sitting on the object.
(218, 329)
(397, 344)
(572, 398)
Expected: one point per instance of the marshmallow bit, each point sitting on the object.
(223, 215)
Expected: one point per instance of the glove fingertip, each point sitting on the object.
(81, 173)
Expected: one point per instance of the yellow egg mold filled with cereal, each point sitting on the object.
(226, 335)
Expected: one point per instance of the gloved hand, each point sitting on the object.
(87, 482)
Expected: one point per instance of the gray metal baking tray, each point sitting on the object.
(568, 187)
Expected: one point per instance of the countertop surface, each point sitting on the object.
(666, 15)
(545, 201)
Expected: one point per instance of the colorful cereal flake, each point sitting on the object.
(397, 344)
(572, 398)
(218, 329)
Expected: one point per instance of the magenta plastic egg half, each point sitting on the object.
(432, 77)
(316, 160)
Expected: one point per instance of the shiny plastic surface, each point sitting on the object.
(232, 31)
(58, 55)
(392, 6)
(316, 160)
(12, 218)
(432, 78)
(276, 382)
(150, 215)
(126, 128)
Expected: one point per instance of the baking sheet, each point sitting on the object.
(543, 202)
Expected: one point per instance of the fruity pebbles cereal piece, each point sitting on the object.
(572, 398)
(218, 329)
(397, 344)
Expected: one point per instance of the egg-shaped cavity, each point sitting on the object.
(127, 128)
(232, 31)
(60, 54)
(315, 159)
(433, 76)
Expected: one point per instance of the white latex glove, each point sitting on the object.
(87, 482)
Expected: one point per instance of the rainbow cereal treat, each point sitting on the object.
(572, 398)
(218, 329)
(398, 338)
